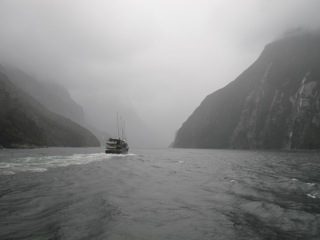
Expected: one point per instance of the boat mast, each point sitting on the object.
(118, 125)
(124, 129)
(121, 125)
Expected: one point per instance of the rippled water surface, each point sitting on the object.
(68, 193)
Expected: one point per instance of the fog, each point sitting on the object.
(153, 61)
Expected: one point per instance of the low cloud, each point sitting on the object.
(158, 58)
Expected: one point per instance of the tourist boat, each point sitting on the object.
(118, 145)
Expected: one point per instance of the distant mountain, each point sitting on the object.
(51, 95)
(54, 97)
(25, 122)
(137, 132)
(274, 104)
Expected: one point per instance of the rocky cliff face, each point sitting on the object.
(53, 97)
(24, 122)
(274, 104)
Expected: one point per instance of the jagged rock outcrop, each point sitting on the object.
(274, 104)
(24, 122)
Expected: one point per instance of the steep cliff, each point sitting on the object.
(24, 122)
(51, 95)
(274, 104)
(54, 97)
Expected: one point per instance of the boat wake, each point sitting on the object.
(43, 163)
(299, 187)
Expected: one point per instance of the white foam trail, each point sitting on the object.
(312, 196)
(37, 169)
(6, 173)
(41, 164)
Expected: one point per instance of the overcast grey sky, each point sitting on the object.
(159, 58)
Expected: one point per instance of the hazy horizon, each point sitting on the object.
(152, 61)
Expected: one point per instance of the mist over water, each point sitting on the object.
(153, 61)
(67, 193)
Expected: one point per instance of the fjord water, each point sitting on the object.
(69, 193)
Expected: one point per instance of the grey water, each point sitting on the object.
(70, 193)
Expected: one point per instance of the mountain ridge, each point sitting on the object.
(24, 122)
(260, 108)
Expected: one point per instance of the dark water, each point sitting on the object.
(72, 193)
